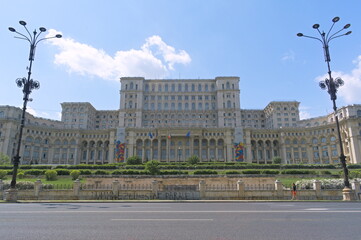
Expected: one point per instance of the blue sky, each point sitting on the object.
(105, 40)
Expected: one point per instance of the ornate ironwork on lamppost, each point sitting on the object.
(330, 84)
(27, 84)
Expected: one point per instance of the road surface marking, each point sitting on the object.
(161, 219)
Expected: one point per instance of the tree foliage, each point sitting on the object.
(4, 159)
(276, 160)
(152, 167)
(134, 160)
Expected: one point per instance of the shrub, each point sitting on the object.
(193, 160)
(251, 171)
(126, 172)
(34, 172)
(274, 172)
(134, 160)
(152, 167)
(325, 172)
(3, 174)
(205, 172)
(62, 172)
(21, 174)
(354, 174)
(229, 172)
(173, 172)
(75, 174)
(85, 172)
(276, 160)
(101, 172)
(51, 175)
(293, 171)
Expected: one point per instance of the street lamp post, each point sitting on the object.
(331, 85)
(27, 85)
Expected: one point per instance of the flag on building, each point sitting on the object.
(169, 136)
(150, 135)
(188, 134)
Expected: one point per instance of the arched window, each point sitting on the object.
(227, 85)
(229, 104)
(131, 85)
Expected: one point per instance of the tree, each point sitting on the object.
(152, 167)
(4, 159)
(134, 160)
(193, 160)
(276, 160)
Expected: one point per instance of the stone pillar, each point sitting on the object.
(76, 188)
(11, 195)
(317, 188)
(279, 188)
(115, 187)
(240, 189)
(202, 189)
(37, 187)
(355, 186)
(155, 188)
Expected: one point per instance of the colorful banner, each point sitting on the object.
(119, 151)
(238, 150)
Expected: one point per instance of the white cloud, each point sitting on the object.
(154, 59)
(350, 91)
(304, 114)
(42, 114)
(288, 56)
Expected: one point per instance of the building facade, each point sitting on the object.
(171, 120)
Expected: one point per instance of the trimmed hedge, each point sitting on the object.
(273, 172)
(205, 172)
(251, 171)
(63, 172)
(35, 172)
(126, 172)
(85, 172)
(229, 172)
(296, 171)
(101, 172)
(173, 172)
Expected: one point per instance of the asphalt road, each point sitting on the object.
(181, 221)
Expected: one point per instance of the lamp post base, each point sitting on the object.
(11, 195)
(347, 194)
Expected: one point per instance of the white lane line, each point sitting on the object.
(317, 209)
(246, 211)
(161, 219)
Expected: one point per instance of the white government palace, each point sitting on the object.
(171, 120)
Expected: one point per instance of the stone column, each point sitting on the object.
(240, 189)
(202, 189)
(115, 187)
(355, 186)
(155, 188)
(317, 188)
(279, 189)
(76, 188)
(37, 187)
